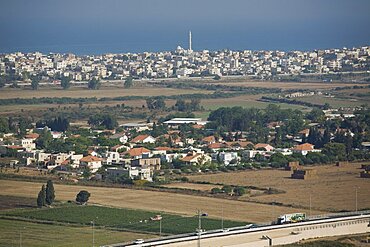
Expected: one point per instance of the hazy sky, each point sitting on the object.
(100, 26)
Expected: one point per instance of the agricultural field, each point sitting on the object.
(8, 93)
(334, 189)
(21, 233)
(191, 186)
(334, 101)
(246, 101)
(288, 85)
(174, 203)
(120, 218)
(10, 202)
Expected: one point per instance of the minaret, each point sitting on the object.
(190, 49)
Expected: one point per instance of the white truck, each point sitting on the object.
(291, 218)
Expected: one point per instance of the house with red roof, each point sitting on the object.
(264, 146)
(305, 148)
(143, 139)
(209, 140)
(92, 162)
(193, 158)
(137, 153)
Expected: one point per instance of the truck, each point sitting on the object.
(291, 218)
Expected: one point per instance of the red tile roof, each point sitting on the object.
(90, 158)
(304, 147)
(138, 151)
(32, 136)
(209, 139)
(139, 138)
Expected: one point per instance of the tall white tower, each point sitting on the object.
(190, 49)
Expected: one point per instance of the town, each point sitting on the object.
(51, 68)
(157, 152)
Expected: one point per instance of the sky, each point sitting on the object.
(104, 26)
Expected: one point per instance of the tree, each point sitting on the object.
(4, 125)
(335, 151)
(228, 189)
(41, 197)
(50, 193)
(94, 84)
(86, 173)
(65, 82)
(155, 103)
(239, 191)
(316, 115)
(129, 82)
(82, 196)
(35, 83)
(180, 105)
(44, 139)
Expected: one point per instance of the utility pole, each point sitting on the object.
(356, 198)
(93, 234)
(20, 236)
(199, 227)
(160, 227)
(222, 217)
(310, 205)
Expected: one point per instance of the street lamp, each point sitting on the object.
(356, 188)
(20, 236)
(93, 233)
(200, 215)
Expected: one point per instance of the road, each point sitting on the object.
(269, 235)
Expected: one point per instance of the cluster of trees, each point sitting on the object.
(56, 124)
(230, 190)
(129, 82)
(65, 82)
(94, 84)
(219, 87)
(155, 103)
(46, 195)
(183, 106)
(253, 121)
(103, 120)
(15, 125)
(294, 102)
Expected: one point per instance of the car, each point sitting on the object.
(139, 241)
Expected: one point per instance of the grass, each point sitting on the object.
(286, 85)
(8, 93)
(129, 219)
(334, 102)
(172, 203)
(332, 190)
(40, 235)
(247, 101)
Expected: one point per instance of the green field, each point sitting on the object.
(20, 233)
(129, 219)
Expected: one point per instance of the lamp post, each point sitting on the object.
(93, 233)
(160, 227)
(20, 236)
(222, 217)
(356, 188)
(199, 230)
(310, 205)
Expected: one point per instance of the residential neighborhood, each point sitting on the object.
(184, 145)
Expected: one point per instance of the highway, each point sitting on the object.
(268, 235)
